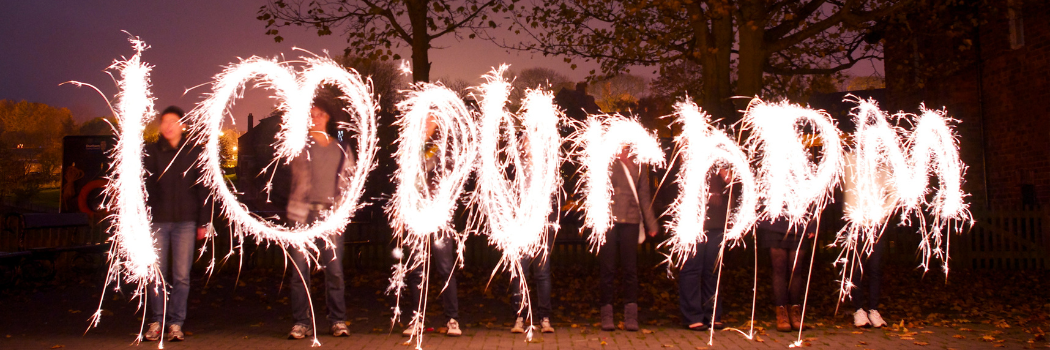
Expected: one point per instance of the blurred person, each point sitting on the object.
(633, 218)
(180, 211)
(318, 175)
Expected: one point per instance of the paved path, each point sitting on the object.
(253, 314)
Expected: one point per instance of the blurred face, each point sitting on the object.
(171, 127)
(320, 119)
(431, 125)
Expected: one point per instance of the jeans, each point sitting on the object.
(871, 275)
(621, 240)
(541, 271)
(331, 260)
(174, 241)
(443, 257)
(696, 282)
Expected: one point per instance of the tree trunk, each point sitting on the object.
(417, 16)
(752, 57)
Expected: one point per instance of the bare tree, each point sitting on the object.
(375, 28)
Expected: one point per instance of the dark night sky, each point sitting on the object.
(47, 42)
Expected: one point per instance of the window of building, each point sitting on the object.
(1013, 13)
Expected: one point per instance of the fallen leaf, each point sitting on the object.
(58, 346)
(959, 336)
(646, 331)
(921, 343)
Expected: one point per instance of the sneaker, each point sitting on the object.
(153, 334)
(453, 329)
(410, 330)
(300, 331)
(876, 319)
(519, 326)
(860, 318)
(175, 333)
(339, 330)
(545, 325)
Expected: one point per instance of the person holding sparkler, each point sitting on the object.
(178, 205)
(443, 252)
(317, 175)
(540, 266)
(632, 218)
(787, 252)
(697, 279)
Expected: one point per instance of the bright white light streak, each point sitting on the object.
(599, 143)
(432, 170)
(705, 149)
(790, 184)
(132, 254)
(296, 96)
(889, 171)
(517, 207)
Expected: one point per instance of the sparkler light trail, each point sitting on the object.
(516, 207)
(889, 171)
(437, 151)
(790, 184)
(703, 149)
(598, 144)
(132, 255)
(296, 97)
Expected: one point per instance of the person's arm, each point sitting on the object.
(645, 198)
(203, 194)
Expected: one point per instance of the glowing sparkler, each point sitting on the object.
(437, 151)
(600, 142)
(704, 148)
(296, 96)
(132, 255)
(517, 209)
(790, 184)
(889, 171)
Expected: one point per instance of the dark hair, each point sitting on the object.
(173, 110)
(335, 114)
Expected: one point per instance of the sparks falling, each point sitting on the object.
(889, 171)
(295, 96)
(437, 151)
(790, 184)
(704, 148)
(516, 207)
(599, 142)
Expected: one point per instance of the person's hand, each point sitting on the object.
(651, 233)
(202, 232)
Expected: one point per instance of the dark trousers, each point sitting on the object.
(541, 271)
(622, 241)
(443, 257)
(696, 282)
(871, 275)
(331, 261)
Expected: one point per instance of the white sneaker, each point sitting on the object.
(545, 325)
(410, 330)
(876, 319)
(453, 329)
(860, 318)
(519, 326)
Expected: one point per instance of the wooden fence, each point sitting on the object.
(1004, 239)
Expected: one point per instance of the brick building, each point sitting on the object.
(988, 64)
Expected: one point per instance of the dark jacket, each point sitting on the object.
(174, 194)
(625, 208)
(718, 202)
